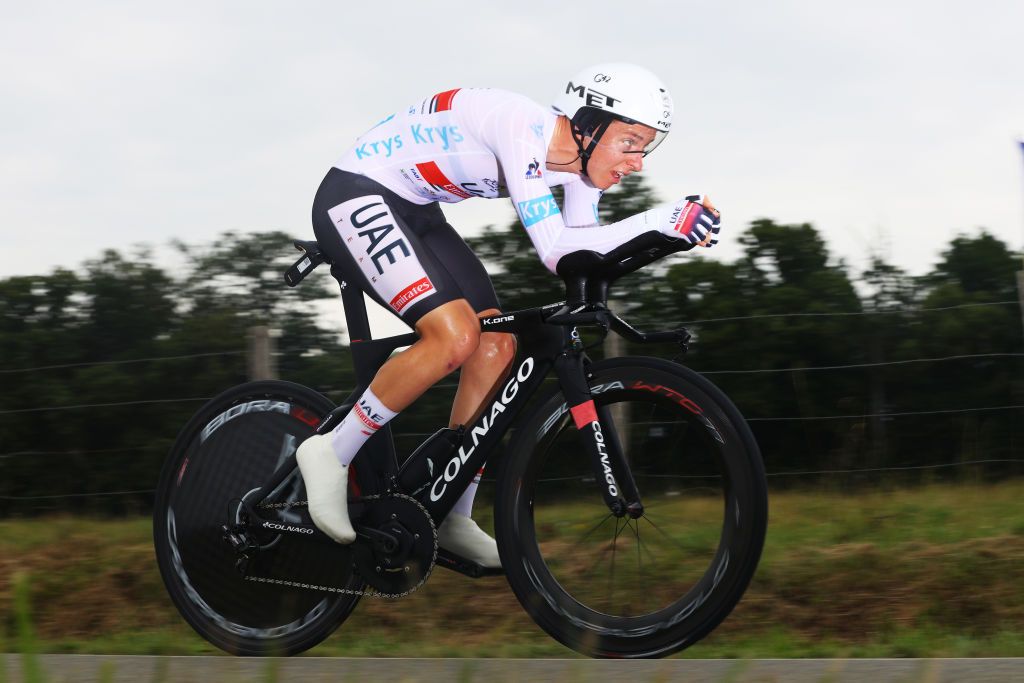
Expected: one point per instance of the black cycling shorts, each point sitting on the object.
(405, 256)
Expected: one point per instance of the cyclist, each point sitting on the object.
(377, 216)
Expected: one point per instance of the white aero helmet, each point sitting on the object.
(604, 92)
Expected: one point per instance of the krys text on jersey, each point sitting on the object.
(421, 135)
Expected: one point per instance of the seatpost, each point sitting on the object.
(355, 312)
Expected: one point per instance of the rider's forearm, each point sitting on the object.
(693, 219)
(600, 238)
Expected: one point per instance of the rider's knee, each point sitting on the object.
(453, 334)
(502, 346)
(460, 345)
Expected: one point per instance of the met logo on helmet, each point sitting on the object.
(625, 91)
(592, 97)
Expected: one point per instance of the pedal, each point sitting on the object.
(457, 563)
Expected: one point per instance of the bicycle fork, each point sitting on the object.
(600, 439)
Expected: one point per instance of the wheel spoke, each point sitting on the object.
(639, 560)
(599, 554)
(665, 534)
(643, 546)
(611, 574)
(592, 530)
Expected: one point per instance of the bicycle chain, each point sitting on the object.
(347, 591)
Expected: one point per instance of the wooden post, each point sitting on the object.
(261, 353)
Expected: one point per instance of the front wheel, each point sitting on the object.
(621, 587)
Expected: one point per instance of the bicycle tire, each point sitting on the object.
(692, 439)
(228, 449)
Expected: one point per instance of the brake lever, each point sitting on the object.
(679, 335)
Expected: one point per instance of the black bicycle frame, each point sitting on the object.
(547, 339)
(539, 345)
(542, 347)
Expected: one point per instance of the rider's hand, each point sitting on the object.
(694, 219)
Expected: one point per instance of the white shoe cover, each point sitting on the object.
(326, 487)
(461, 535)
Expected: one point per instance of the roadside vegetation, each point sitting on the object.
(930, 571)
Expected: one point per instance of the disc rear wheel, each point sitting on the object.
(229, 449)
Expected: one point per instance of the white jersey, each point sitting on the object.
(469, 142)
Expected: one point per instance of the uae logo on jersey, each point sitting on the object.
(533, 170)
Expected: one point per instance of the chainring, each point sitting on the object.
(400, 569)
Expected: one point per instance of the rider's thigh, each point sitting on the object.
(463, 266)
(376, 241)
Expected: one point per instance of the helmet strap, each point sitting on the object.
(585, 152)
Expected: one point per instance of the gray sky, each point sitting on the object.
(890, 126)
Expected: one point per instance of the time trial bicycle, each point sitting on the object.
(630, 504)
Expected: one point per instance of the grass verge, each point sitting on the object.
(936, 571)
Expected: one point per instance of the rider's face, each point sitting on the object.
(618, 153)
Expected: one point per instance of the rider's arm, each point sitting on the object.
(511, 131)
(694, 219)
(540, 215)
(685, 219)
(580, 205)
